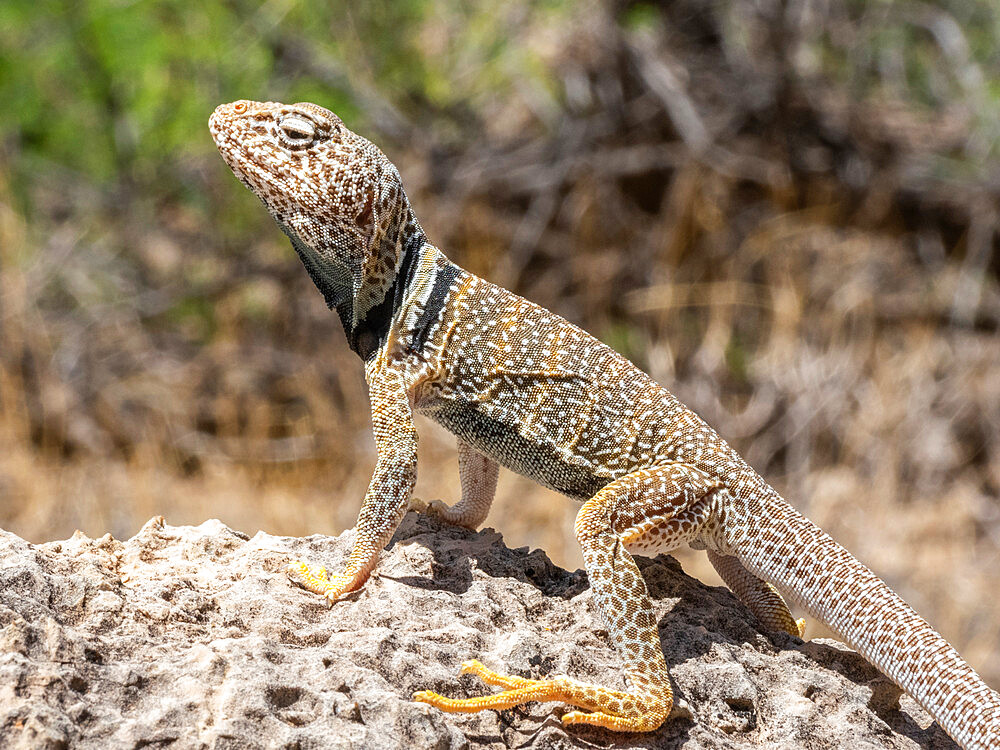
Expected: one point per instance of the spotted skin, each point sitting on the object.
(523, 388)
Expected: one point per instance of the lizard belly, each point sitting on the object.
(500, 439)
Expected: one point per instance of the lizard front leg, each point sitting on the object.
(665, 505)
(388, 492)
(478, 475)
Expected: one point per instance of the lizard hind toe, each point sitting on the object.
(611, 709)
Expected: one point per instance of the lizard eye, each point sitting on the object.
(296, 132)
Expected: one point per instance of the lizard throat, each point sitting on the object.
(333, 279)
(335, 282)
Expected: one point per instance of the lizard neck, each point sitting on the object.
(369, 333)
(335, 282)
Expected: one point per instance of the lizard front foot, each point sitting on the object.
(319, 581)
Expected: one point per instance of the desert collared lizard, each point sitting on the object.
(523, 388)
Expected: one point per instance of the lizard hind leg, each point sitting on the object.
(760, 597)
(622, 512)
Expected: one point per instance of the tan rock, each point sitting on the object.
(208, 645)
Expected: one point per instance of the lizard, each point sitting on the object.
(523, 388)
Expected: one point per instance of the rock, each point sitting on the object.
(193, 637)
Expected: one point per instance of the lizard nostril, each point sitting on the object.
(240, 107)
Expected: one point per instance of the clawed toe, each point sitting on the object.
(318, 581)
(624, 712)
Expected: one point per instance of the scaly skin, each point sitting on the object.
(523, 388)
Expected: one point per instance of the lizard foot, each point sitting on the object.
(427, 507)
(441, 510)
(318, 581)
(615, 710)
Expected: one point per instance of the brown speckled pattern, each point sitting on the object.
(523, 388)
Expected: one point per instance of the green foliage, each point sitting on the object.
(640, 16)
(116, 89)
(121, 91)
(927, 56)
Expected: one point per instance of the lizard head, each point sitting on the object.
(334, 193)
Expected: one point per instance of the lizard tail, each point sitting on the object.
(799, 558)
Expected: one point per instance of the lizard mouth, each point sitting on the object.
(218, 123)
(221, 124)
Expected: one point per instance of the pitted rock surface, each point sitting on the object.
(193, 637)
